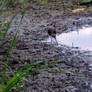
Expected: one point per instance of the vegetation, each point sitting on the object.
(85, 2)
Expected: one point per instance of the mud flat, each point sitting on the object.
(31, 47)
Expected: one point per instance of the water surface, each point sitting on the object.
(81, 38)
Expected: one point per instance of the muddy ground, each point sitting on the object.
(31, 48)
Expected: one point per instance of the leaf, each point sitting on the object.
(63, 71)
(84, 2)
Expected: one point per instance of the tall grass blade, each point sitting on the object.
(17, 77)
(10, 2)
(4, 71)
(23, 14)
(85, 2)
(17, 31)
(29, 65)
(3, 3)
(22, 73)
(9, 24)
(8, 53)
(6, 3)
(68, 72)
(13, 43)
(63, 71)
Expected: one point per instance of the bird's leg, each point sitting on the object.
(51, 40)
(56, 41)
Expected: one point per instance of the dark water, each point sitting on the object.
(81, 38)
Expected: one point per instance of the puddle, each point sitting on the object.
(81, 38)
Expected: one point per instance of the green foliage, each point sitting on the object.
(84, 2)
(3, 4)
(4, 72)
(8, 25)
(24, 71)
(16, 78)
(6, 3)
(20, 85)
(10, 2)
(53, 63)
(63, 71)
(3, 88)
(44, 2)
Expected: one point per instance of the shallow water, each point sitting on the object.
(81, 38)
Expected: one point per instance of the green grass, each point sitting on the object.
(3, 88)
(85, 2)
(4, 4)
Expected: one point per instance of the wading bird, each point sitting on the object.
(52, 34)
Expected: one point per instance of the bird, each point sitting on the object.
(52, 33)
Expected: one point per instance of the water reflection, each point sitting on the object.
(81, 38)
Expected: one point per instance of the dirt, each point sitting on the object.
(31, 48)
